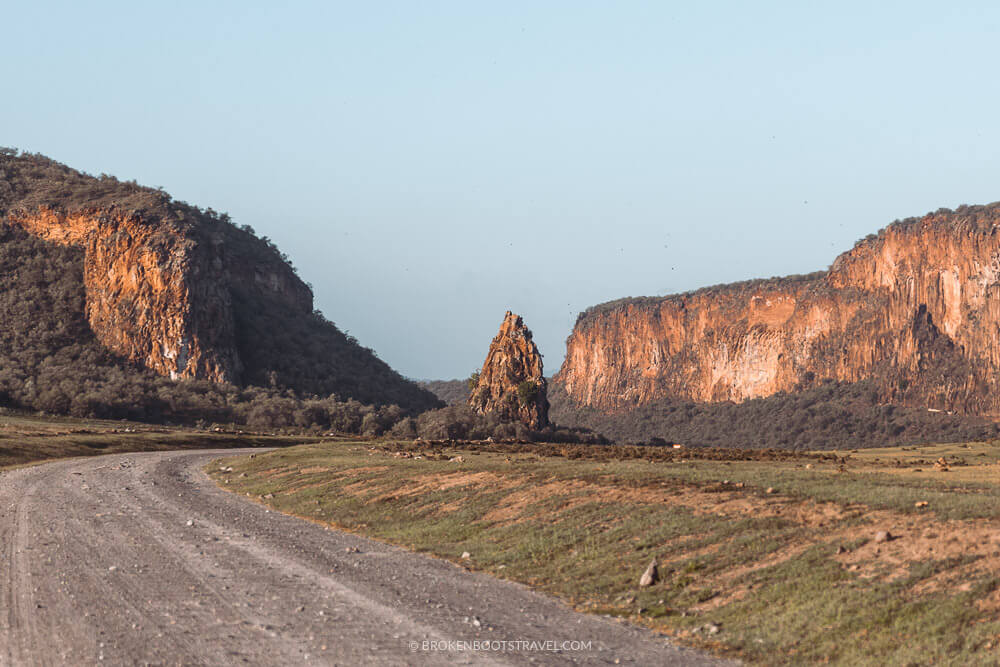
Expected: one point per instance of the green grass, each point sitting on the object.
(584, 529)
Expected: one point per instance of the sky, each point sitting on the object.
(430, 165)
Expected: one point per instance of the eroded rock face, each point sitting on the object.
(915, 308)
(160, 294)
(139, 283)
(511, 383)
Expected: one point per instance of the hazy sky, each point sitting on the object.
(429, 165)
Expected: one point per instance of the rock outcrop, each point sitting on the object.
(185, 293)
(915, 309)
(155, 295)
(511, 383)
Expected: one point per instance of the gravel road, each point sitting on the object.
(141, 559)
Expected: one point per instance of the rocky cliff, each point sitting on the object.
(914, 309)
(511, 383)
(183, 292)
(155, 295)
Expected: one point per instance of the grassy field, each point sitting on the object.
(770, 557)
(28, 439)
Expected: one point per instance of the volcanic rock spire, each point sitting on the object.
(511, 383)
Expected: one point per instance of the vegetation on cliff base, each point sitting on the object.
(829, 416)
(50, 361)
(282, 349)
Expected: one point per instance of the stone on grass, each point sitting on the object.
(883, 536)
(650, 576)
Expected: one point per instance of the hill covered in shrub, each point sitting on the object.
(109, 289)
(831, 415)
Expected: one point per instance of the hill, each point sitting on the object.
(119, 301)
(452, 392)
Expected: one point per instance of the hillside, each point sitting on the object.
(452, 392)
(911, 310)
(113, 291)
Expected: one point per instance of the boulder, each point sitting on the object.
(650, 576)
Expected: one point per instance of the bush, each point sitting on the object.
(831, 415)
(527, 392)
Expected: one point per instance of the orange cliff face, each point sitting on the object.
(915, 309)
(160, 293)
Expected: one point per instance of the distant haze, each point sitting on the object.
(428, 166)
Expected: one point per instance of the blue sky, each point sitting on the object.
(430, 165)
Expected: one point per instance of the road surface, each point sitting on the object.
(140, 559)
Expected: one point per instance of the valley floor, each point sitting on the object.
(768, 557)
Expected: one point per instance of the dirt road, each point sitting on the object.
(136, 559)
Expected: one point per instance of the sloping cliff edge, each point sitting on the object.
(914, 309)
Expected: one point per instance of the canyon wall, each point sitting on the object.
(915, 309)
(159, 292)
